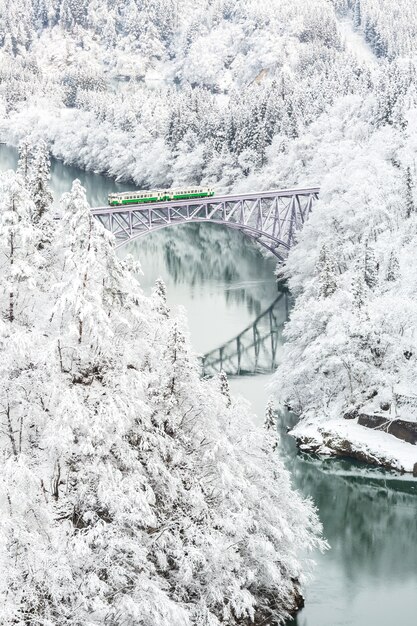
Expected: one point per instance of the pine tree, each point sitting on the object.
(393, 269)
(326, 267)
(370, 32)
(323, 254)
(371, 268)
(291, 125)
(358, 290)
(357, 14)
(90, 275)
(25, 163)
(42, 194)
(8, 45)
(270, 422)
(177, 362)
(409, 194)
(270, 426)
(19, 258)
(159, 295)
(224, 387)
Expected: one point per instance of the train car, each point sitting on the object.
(159, 195)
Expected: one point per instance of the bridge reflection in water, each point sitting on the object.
(254, 350)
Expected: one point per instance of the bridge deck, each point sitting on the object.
(284, 193)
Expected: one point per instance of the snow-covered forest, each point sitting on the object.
(170, 92)
(131, 491)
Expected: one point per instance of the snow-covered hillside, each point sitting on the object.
(352, 336)
(84, 80)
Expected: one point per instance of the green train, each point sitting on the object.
(159, 195)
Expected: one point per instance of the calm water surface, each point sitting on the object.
(369, 577)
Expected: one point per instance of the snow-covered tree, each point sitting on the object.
(358, 290)
(270, 421)
(409, 193)
(39, 183)
(357, 16)
(393, 267)
(370, 267)
(224, 387)
(25, 163)
(20, 260)
(160, 297)
(326, 268)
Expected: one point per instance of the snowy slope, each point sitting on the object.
(355, 42)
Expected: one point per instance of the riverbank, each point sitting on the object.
(343, 438)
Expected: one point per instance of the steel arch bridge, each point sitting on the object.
(271, 218)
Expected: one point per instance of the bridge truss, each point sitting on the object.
(271, 218)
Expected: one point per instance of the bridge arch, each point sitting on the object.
(270, 218)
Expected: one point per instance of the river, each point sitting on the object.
(369, 576)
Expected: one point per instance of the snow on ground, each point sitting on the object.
(355, 42)
(350, 439)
